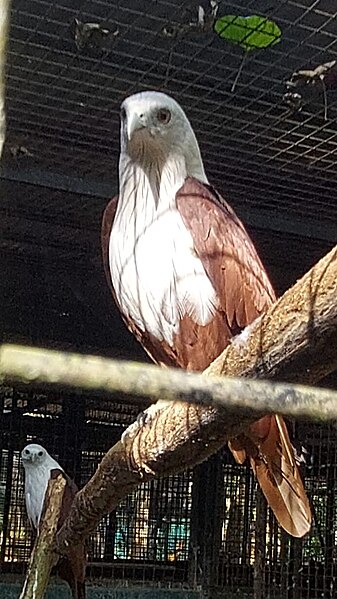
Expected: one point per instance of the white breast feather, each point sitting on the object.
(156, 274)
(36, 482)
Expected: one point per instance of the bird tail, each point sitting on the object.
(78, 562)
(72, 570)
(77, 587)
(271, 454)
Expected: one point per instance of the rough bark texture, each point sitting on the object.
(296, 340)
(43, 557)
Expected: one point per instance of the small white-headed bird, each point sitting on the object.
(186, 276)
(40, 467)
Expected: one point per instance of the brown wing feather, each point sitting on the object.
(237, 274)
(227, 253)
(107, 222)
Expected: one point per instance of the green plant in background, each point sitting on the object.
(250, 33)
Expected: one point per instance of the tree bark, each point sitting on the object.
(43, 557)
(295, 340)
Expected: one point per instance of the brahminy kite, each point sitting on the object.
(186, 277)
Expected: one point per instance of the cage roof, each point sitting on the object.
(72, 62)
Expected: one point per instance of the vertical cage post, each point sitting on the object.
(329, 582)
(260, 546)
(206, 523)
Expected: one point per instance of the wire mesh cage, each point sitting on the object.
(269, 145)
(208, 528)
(146, 538)
(64, 95)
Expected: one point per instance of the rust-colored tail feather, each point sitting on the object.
(271, 455)
(72, 570)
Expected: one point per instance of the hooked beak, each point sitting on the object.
(29, 458)
(135, 122)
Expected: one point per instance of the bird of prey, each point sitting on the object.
(187, 278)
(39, 468)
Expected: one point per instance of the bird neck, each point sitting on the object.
(149, 186)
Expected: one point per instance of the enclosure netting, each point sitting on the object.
(276, 164)
(199, 529)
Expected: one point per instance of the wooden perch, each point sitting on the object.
(296, 341)
(248, 398)
(43, 557)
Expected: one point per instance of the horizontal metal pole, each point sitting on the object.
(44, 178)
(36, 367)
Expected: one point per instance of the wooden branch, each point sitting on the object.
(295, 340)
(44, 557)
(247, 398)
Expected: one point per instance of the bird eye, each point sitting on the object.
(40, 453)
(123, 114)
(26, 452)
(164, 116)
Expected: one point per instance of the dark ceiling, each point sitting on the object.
(276, 167)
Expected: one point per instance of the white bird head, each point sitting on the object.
(38, 465)
(34, 455)
(154, 127)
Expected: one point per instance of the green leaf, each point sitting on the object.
(248, 32)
